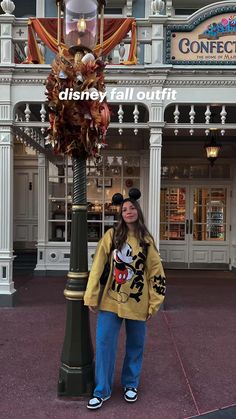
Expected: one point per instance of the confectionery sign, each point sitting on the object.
(213, 41)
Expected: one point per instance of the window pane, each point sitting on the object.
(110, 191)
(56, 187)
(220, 171)
(199, 171)
(163, 232)
(56, 209)
(113, 174)
(56, 231)
(210, 214)
(94, 231)
(165, 172)
(176, 232)
(95, 213)
(195, 171)
(94, 190)
(173, 213)
(179, 172)
(113, 166)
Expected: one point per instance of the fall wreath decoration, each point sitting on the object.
(129, 183)
(77, 127)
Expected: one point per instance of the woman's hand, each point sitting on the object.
(148, 317)
(93, 309)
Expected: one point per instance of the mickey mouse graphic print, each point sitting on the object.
(123, 270)
(136, 284)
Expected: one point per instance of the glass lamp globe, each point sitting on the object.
(80, 24)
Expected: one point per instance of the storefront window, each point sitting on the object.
(195, 171)
(173, 209)
(210, 214)
(113, 174)
(59, 202)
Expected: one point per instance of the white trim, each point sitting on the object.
(40, 8)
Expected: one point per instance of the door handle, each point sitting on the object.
(187, 223)
(191, 226)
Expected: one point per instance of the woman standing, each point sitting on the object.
(134, 291)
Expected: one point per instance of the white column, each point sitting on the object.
(42, 211)
(155, 183)
(128, 8)
(40, 8)
(157, 40)
(7, 290)
(144, 183)
(169, 8)
(148, 8)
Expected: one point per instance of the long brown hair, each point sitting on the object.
(121, 230)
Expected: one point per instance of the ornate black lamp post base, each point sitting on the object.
(76, 374)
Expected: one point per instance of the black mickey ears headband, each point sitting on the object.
(118, 199)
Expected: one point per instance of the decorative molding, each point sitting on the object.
(28, 81)
(129, 7)
(156, 113)
(151, 78)
(169, 7)
(5, 111)
(156, 137)
(210, 83)
(6, 51)
(139, 82)
(147, 77)
(5, 80)
(5, 138)
(175, 82)
(20, 31)
(6, 30)
(144, 33)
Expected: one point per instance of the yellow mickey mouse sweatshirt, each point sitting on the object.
(136, 284)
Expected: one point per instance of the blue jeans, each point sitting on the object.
(108, 327)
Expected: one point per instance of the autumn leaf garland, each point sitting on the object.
(77, 127)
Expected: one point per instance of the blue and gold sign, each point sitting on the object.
(206, 40)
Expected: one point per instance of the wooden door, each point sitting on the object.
(25, 205)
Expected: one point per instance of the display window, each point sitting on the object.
(197, 212)
(114, 173)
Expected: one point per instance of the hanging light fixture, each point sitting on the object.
(212, 148)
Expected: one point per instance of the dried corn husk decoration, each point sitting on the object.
(77, 127)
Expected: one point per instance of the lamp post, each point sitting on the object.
(76, 375)
(212, 148)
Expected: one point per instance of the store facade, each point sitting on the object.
(155, 142)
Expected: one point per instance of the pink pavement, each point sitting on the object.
(189, 365)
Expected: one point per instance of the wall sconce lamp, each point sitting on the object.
(212, 148)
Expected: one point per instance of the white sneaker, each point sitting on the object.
(130, 394)
(96, 402)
